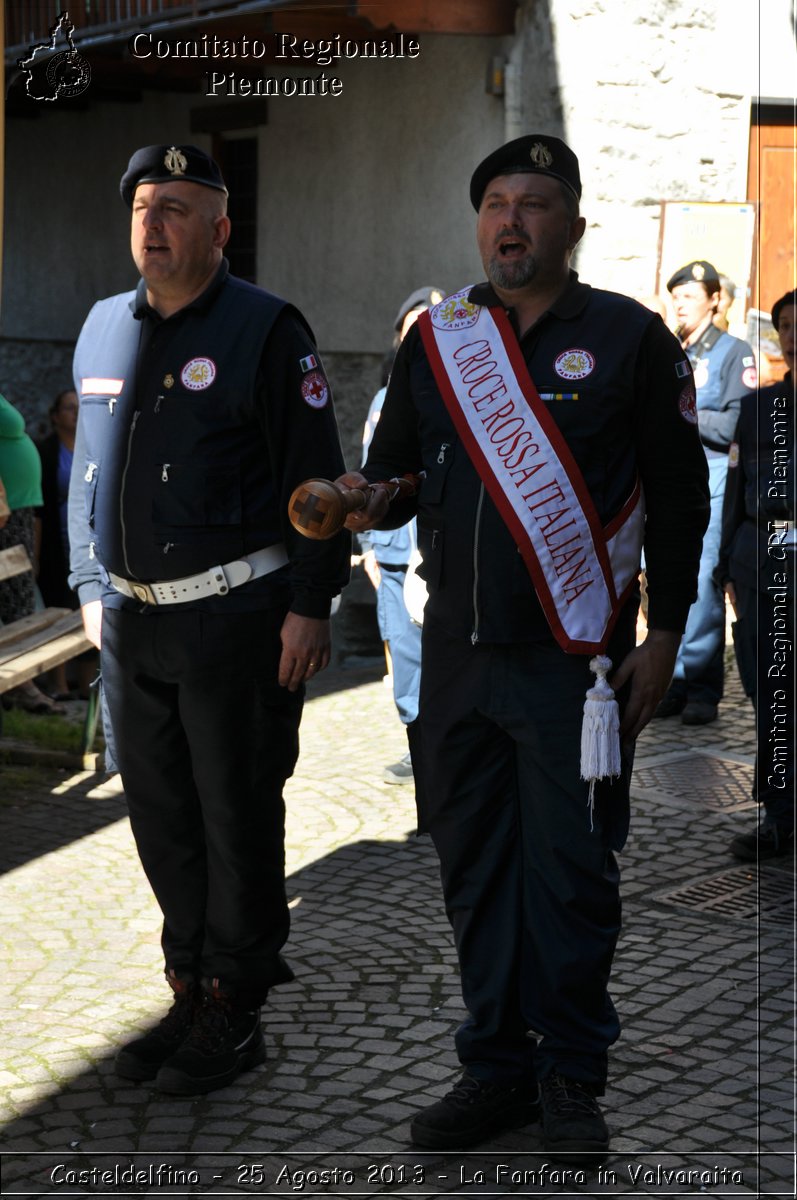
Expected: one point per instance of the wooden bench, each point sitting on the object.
(35, 644)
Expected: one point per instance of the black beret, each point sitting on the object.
(779, 305)
(425, 297)
(699, 271)
(166, 164)
(535, 152)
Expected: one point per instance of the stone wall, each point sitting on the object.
(354, 378)
(31, 376)
(654, 96)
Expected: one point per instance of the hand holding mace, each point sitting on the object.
(318, 508)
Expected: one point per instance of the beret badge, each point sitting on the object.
(175, 161)
(540, 155)
(698, 272)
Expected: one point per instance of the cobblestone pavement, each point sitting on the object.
(700, 1080)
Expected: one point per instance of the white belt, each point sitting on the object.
(217, 581)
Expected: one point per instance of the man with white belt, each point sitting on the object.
(203, 404)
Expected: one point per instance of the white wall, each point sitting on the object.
(777, 57)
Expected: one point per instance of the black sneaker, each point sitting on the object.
(224, 1041)
(572, 1122)
(670, 705)
(768, 841)
(143, 1058)
(474, 1109)
(699, 712)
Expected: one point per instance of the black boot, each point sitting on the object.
(144, 1057)
(225, 1040)
(474, 1110)
(770, 840)
(572, 1122)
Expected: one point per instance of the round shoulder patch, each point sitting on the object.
(733, 454)
(750, 378)
(197, 374)
(687, 403)
(574, 364)
(315, 389)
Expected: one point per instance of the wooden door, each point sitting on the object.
(771, 183)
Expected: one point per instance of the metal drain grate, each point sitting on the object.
(742, 893)
(706, 781)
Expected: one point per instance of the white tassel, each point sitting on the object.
(600, 731)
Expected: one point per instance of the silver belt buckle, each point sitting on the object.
(143, 592)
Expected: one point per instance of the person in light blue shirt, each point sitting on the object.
(387, 554)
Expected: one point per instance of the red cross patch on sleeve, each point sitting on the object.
(315, 389)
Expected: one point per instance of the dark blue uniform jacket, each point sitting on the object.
(756, 548)
(193, 432)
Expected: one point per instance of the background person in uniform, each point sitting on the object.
(724, 369)
(203, 404)
(726, 298)
(529, 876)
(756, 567)
(386, 557)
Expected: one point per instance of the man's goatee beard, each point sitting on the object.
(511, 276)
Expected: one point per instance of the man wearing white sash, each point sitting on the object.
(556, 427)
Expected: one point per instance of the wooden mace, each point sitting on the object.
(318, 507)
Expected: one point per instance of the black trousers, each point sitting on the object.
(763, 638)
(531, 890)
(205, 740)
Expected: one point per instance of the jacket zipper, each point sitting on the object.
(122, 491)
(91, 470)
(474, 637)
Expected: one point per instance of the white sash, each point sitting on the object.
(581, 571)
